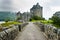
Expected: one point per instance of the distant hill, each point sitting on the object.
(7, 15)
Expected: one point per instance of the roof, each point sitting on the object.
(37, 6)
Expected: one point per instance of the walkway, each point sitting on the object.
(31, 32)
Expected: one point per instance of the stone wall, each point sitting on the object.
(21, 26)
(11, 33)
(50, 31)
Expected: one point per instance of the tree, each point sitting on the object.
(36, 18)
(30, 19)
(18, 18)
(43, 19)
(56, 20)
(50, 18)
(7, 19)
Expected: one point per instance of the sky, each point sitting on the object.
(49, 6)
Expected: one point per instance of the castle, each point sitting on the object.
(36, 10)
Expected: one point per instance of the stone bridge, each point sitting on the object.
(30, 31)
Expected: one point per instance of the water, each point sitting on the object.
(2, 22)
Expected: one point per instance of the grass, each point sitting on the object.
(46, 21)
(50, 22)
(43, 21)
(7, 24)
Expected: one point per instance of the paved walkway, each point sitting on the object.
(31, 32)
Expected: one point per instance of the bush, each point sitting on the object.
(30, 19)
(38, 18)
(18, 18)
(7, 19)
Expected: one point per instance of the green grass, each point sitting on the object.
(43, 21)
(46, 21)
(50, 22)
(7, 24)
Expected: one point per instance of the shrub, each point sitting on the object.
(30, 19)
(7, 19)
(38, 18)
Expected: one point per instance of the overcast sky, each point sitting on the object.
(49, 6)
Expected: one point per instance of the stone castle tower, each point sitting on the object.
(36, 10)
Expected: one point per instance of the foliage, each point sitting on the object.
(56, 20)
(7, 19)
(46, 21)
(58, 26)
(37, 18)
(30, 19)
(18, 18)
(43, 18)
(50, 18)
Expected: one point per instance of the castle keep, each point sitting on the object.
(36, 10)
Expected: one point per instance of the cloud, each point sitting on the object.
(23, 5)
(55, 3)
(49, 6)
(55, 9)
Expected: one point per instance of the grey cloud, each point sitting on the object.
(54, 3)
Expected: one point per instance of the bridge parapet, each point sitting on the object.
(11, 33)
(50, 31)
(21, 26)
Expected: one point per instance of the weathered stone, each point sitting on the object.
(51, 31)
(11, 33)
(3, 35)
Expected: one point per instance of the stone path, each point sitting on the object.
(31, 32)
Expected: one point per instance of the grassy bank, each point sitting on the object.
(43, 21)
(50, 22)
(6, 24)
(46, 22)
